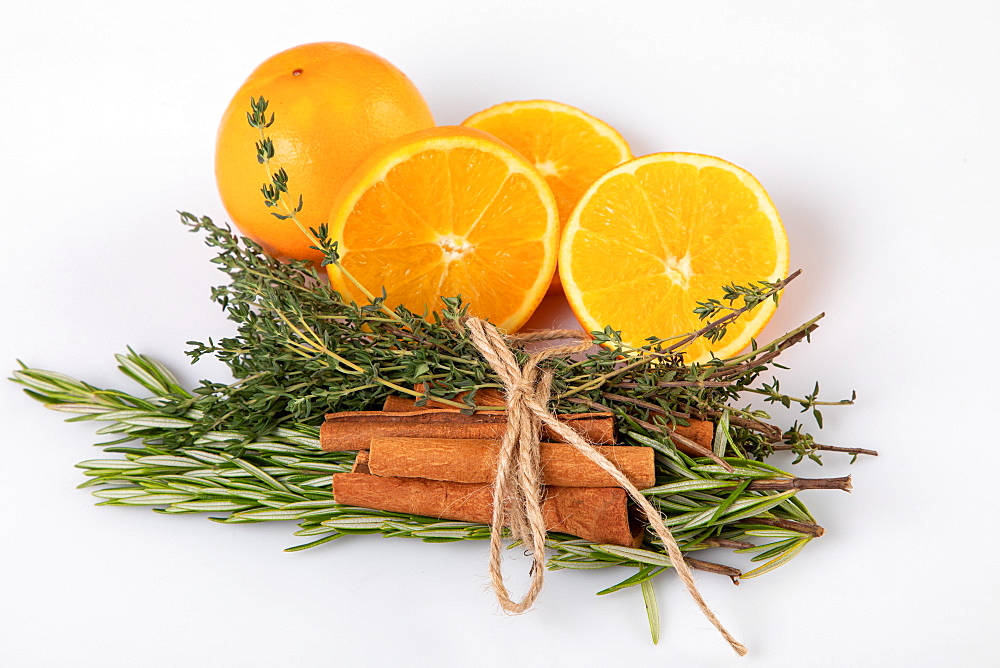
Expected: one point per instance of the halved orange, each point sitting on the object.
(568, 146)
(656, 235)
(445, 212)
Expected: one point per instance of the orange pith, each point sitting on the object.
(656, 235)
(448, 211)
(333, 104)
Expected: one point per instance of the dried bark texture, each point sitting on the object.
(354, 430)
(361, 463)
(701, 432)
(596, 514)
(475, 461)
(487, 396)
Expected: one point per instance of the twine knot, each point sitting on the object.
(517, 488)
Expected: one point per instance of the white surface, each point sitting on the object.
(873, 126)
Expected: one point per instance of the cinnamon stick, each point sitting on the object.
(396, 403)
(701, 432)
(486, 396)
(354, 430)
(361, 462)
(475, 461)
(596, 514)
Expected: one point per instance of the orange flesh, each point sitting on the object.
(451, 220)
(650, 241)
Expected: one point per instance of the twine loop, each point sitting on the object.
(517, 488)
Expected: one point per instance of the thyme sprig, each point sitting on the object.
(275, 190)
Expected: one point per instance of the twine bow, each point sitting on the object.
(517, 489)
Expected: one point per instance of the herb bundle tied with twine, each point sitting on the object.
(246, 450)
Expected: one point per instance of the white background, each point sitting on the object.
(872, 125)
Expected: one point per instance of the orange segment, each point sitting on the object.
(656, 235)
(448, 211)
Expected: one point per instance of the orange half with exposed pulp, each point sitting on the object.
(656, 235)
(446, 212)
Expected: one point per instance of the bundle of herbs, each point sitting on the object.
(248, 451)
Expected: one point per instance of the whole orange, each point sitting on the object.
(333, 104)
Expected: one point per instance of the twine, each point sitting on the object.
(517, 489)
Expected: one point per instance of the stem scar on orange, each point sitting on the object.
(656, 235)
(448, 211)
(334, 104)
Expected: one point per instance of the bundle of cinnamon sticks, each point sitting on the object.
(437, 462)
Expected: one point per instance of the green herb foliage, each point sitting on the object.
(248, 451)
